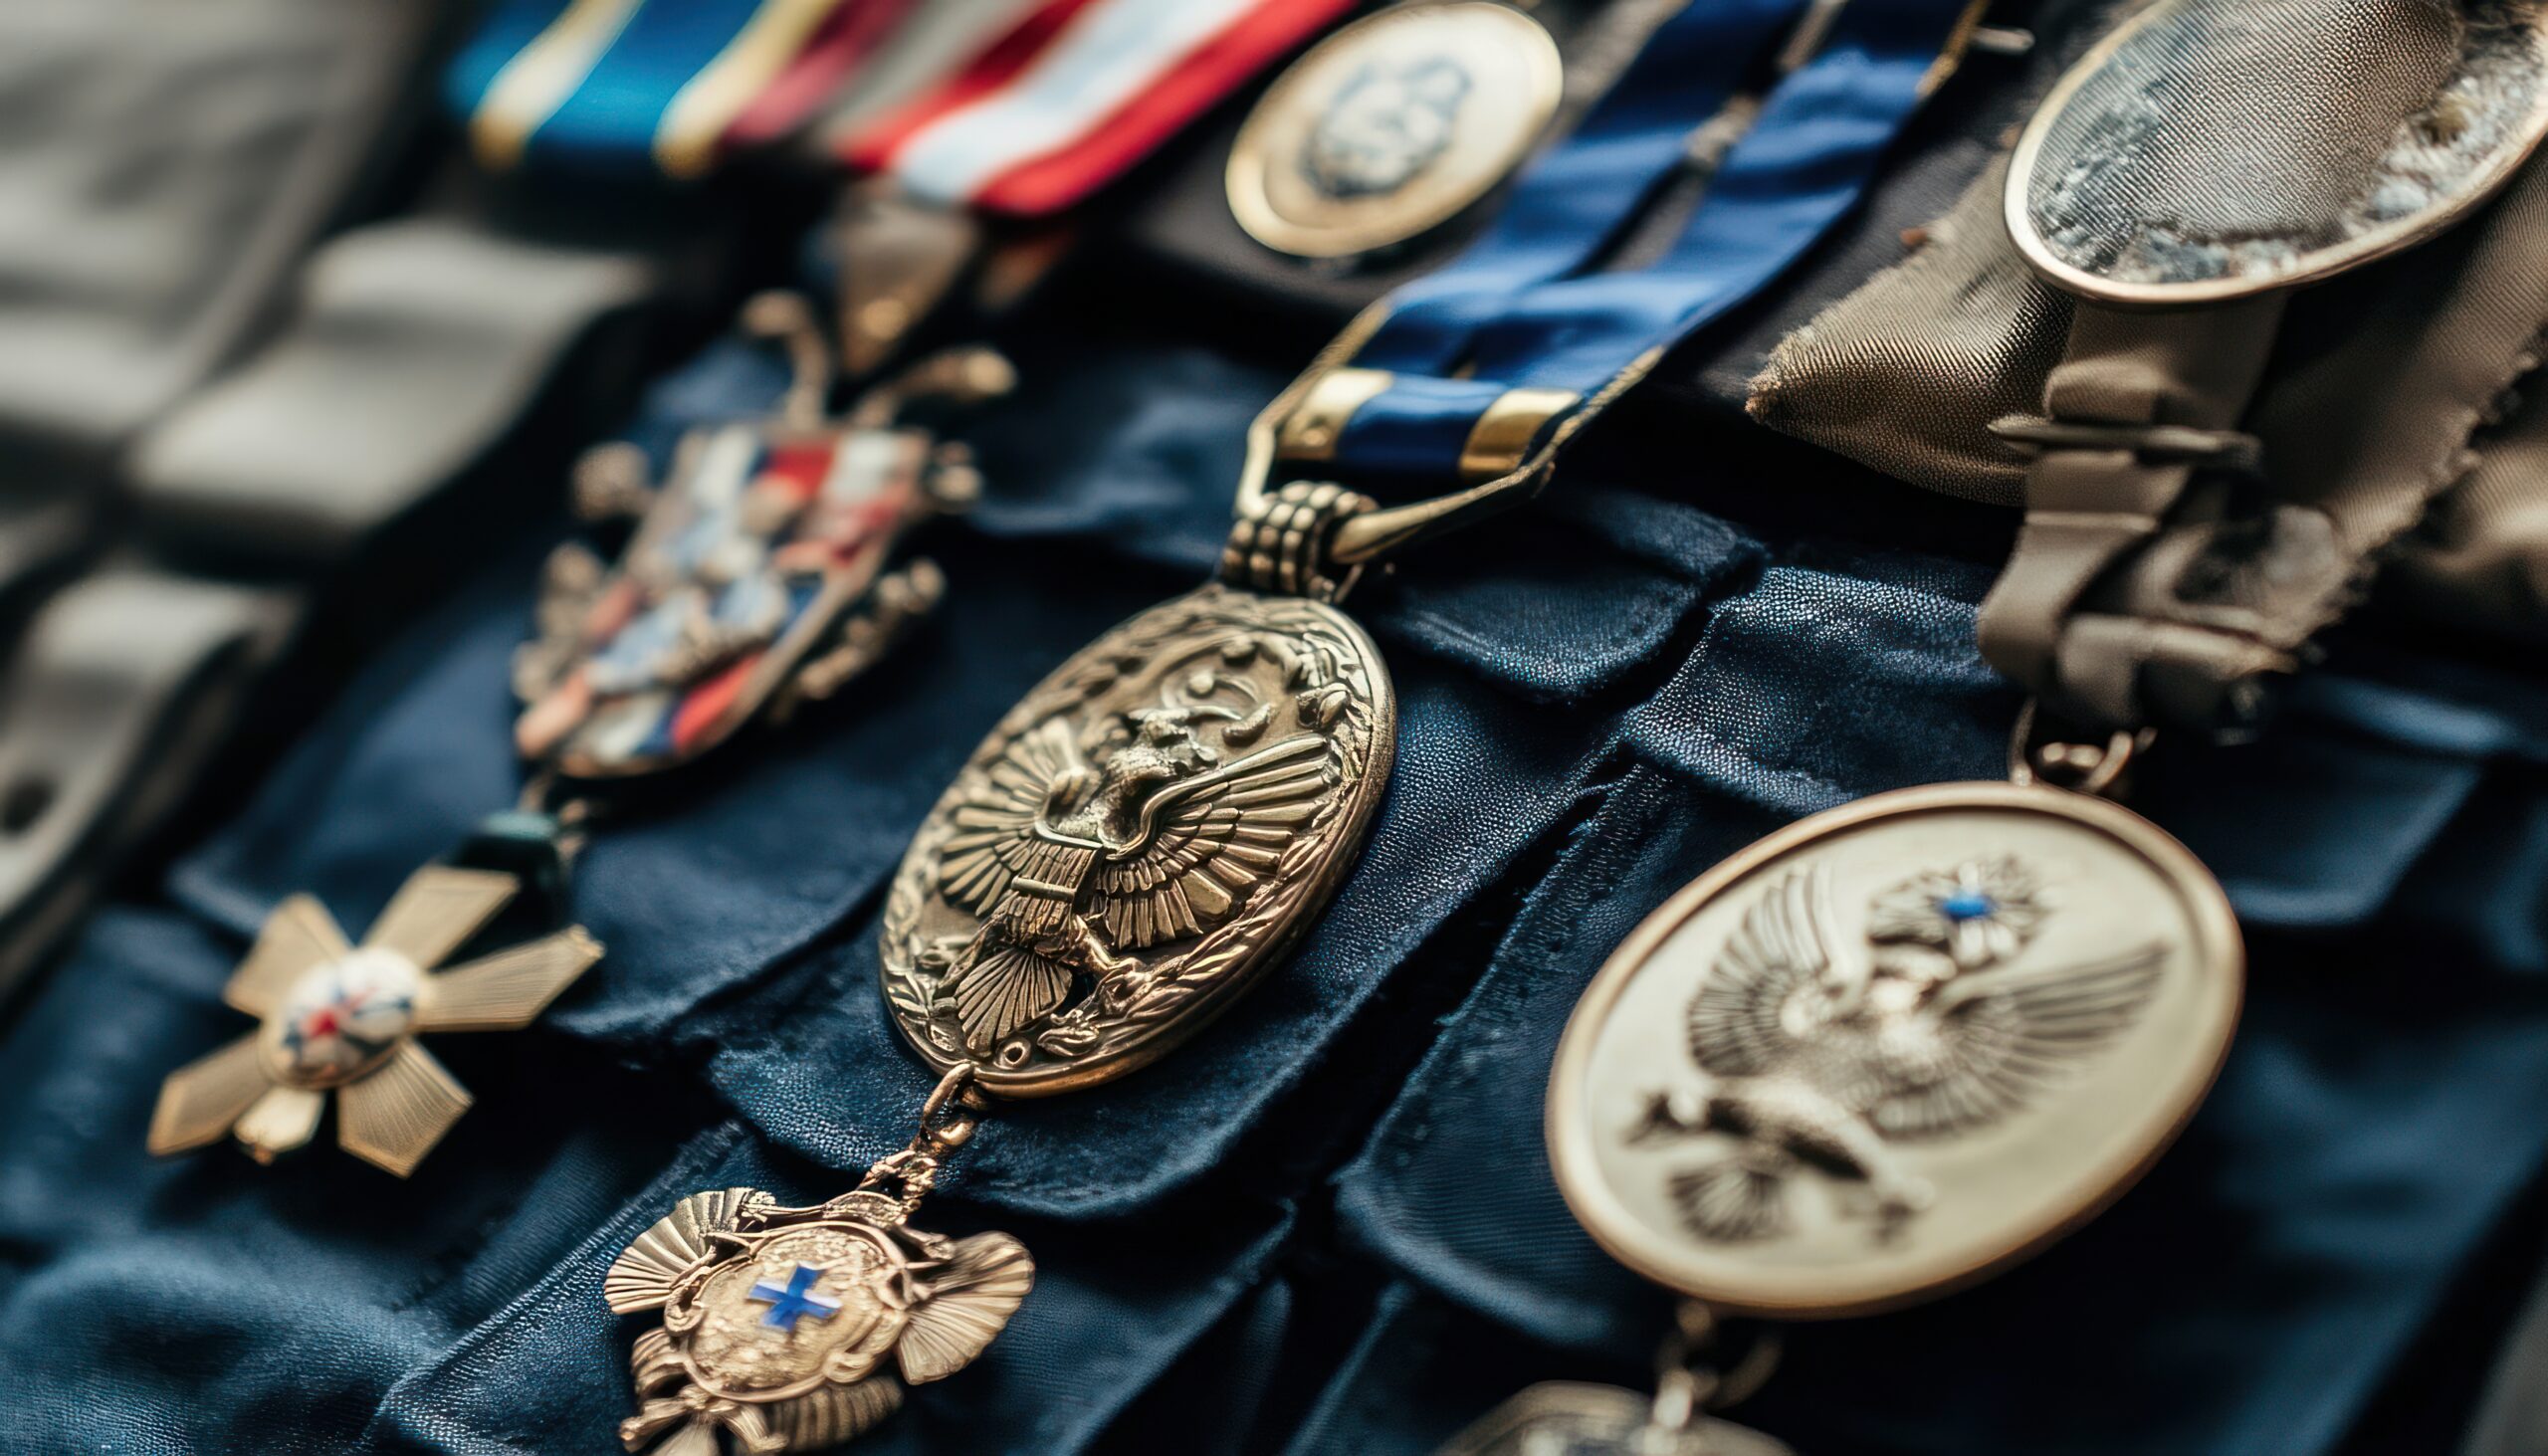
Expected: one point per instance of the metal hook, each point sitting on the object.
(2089, 769)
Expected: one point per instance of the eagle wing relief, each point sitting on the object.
(995, 831)
(1738, 1021)
(2004, 1036)
(1208, 842)
(1787, 1074)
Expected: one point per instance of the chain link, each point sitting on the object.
(1690, 1380)
(948, 1121)
(2099, 769)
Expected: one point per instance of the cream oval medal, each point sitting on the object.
(1138, 840)
(1393, 125)
(1893, 1048)
(2208, 151)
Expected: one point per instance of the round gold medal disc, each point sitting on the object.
(1391, 127)
(1139, 840)
(1893, 1048)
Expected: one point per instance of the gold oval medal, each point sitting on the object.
(1893, 1048)
(2206, 151)
(1391, 127)
(1138, 840)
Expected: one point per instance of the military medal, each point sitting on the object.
(795, 1329)
(1147, 831)
(1393, 125)
(1900, 1045)
(766, 570)
(343, 1018)
(1894, 1047)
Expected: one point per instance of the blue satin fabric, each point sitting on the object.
(1325, 1226)
(1571, 205)
(607, 126)
(1520, 309)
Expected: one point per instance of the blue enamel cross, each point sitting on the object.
(797, 1300)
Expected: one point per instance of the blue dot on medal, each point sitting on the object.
(1968, 905)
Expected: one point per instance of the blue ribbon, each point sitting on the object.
(1527, 307)
(607, 121)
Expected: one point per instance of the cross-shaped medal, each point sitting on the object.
(342, 1018)
(796, 1299)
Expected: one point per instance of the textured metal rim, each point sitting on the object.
(1245, 178)
(2322, 265)
(1588, 1195)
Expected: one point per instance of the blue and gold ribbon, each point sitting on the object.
(624, 86)
(1531, 310)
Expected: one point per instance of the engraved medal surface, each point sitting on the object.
(2207, 151)
(768, 545)
(1893, 1048)
(343, 1018)
(792, 1329)
(1566, 1418)
(1138, 840)
(1393, 125)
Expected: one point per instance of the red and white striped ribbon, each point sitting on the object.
(1074, 93)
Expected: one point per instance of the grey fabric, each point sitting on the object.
(412, 348)
(410, 351)
(165, 164)
(115, 703)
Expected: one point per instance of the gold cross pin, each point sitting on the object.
(345, 1018)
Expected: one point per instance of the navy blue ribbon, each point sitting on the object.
(1528, 306)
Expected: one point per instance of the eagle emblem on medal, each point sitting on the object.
(785, 1329)
(1894, 1048)
(766, 569)
(1137, 842)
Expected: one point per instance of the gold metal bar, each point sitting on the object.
(1310, 431)
(1501, 439)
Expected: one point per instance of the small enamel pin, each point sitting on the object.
(763, 571)
(345, 1018)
